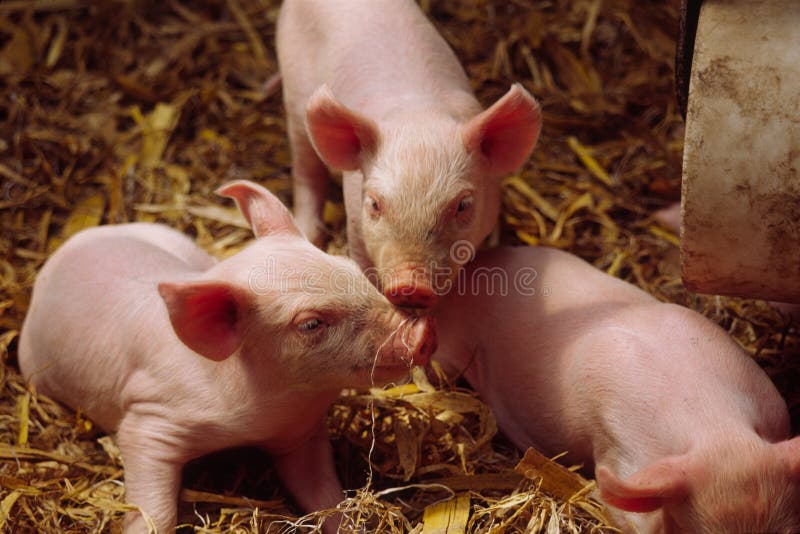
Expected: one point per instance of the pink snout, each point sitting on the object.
(411, 296)
(412, 344)
(410, 289)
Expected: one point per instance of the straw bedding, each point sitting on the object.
(137, 110)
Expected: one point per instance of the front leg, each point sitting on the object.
(152, 476)
(310, 183)
(308, 473)
(351, 189)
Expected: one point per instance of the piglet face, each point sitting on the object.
(431, 185)
(425, 209)
(329, 324)
(288, 309)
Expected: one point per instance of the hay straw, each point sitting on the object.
(114, 112)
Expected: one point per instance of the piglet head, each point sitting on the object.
(327, 324)
(289, 310)
(745, 489)
(431, 183)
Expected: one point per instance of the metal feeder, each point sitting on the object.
(740, 232)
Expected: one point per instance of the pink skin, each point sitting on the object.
(670, 216)
(182, 355)
(684, 432)
(371, 89)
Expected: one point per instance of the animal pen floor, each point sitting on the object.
(136, 110)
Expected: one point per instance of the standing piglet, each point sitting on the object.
(182, 355)
(373, 90)
(684, 432)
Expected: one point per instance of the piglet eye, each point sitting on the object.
(373, 206)
(465, 204)
(308, 322)
(310, 325)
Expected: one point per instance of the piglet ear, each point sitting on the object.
(506, 133)
(340, 136)
(648, 490)
(264, 212)
(206, 315)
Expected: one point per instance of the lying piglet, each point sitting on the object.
(684, 432)
(372, 89)
(182, 355)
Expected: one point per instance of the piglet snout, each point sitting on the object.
(422, 339)
(410, 288)
(409, 296)
(412, 343)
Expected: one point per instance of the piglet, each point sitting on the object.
(684, 431)
(182, 355)
(371, 89)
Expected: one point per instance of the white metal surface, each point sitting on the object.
(740, 230)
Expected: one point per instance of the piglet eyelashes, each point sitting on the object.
(310, 325)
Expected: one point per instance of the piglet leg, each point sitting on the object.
(309, 475)
(310, 182)
(152, 476)
(351, 188)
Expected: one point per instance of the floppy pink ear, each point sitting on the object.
(264, 212)
(506, 133)
(340, 136)
(206, 315)
(647, 490)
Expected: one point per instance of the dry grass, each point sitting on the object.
(137, 110)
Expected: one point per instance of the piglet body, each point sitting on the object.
(373, 90)
(182, 355)
(684, 432)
